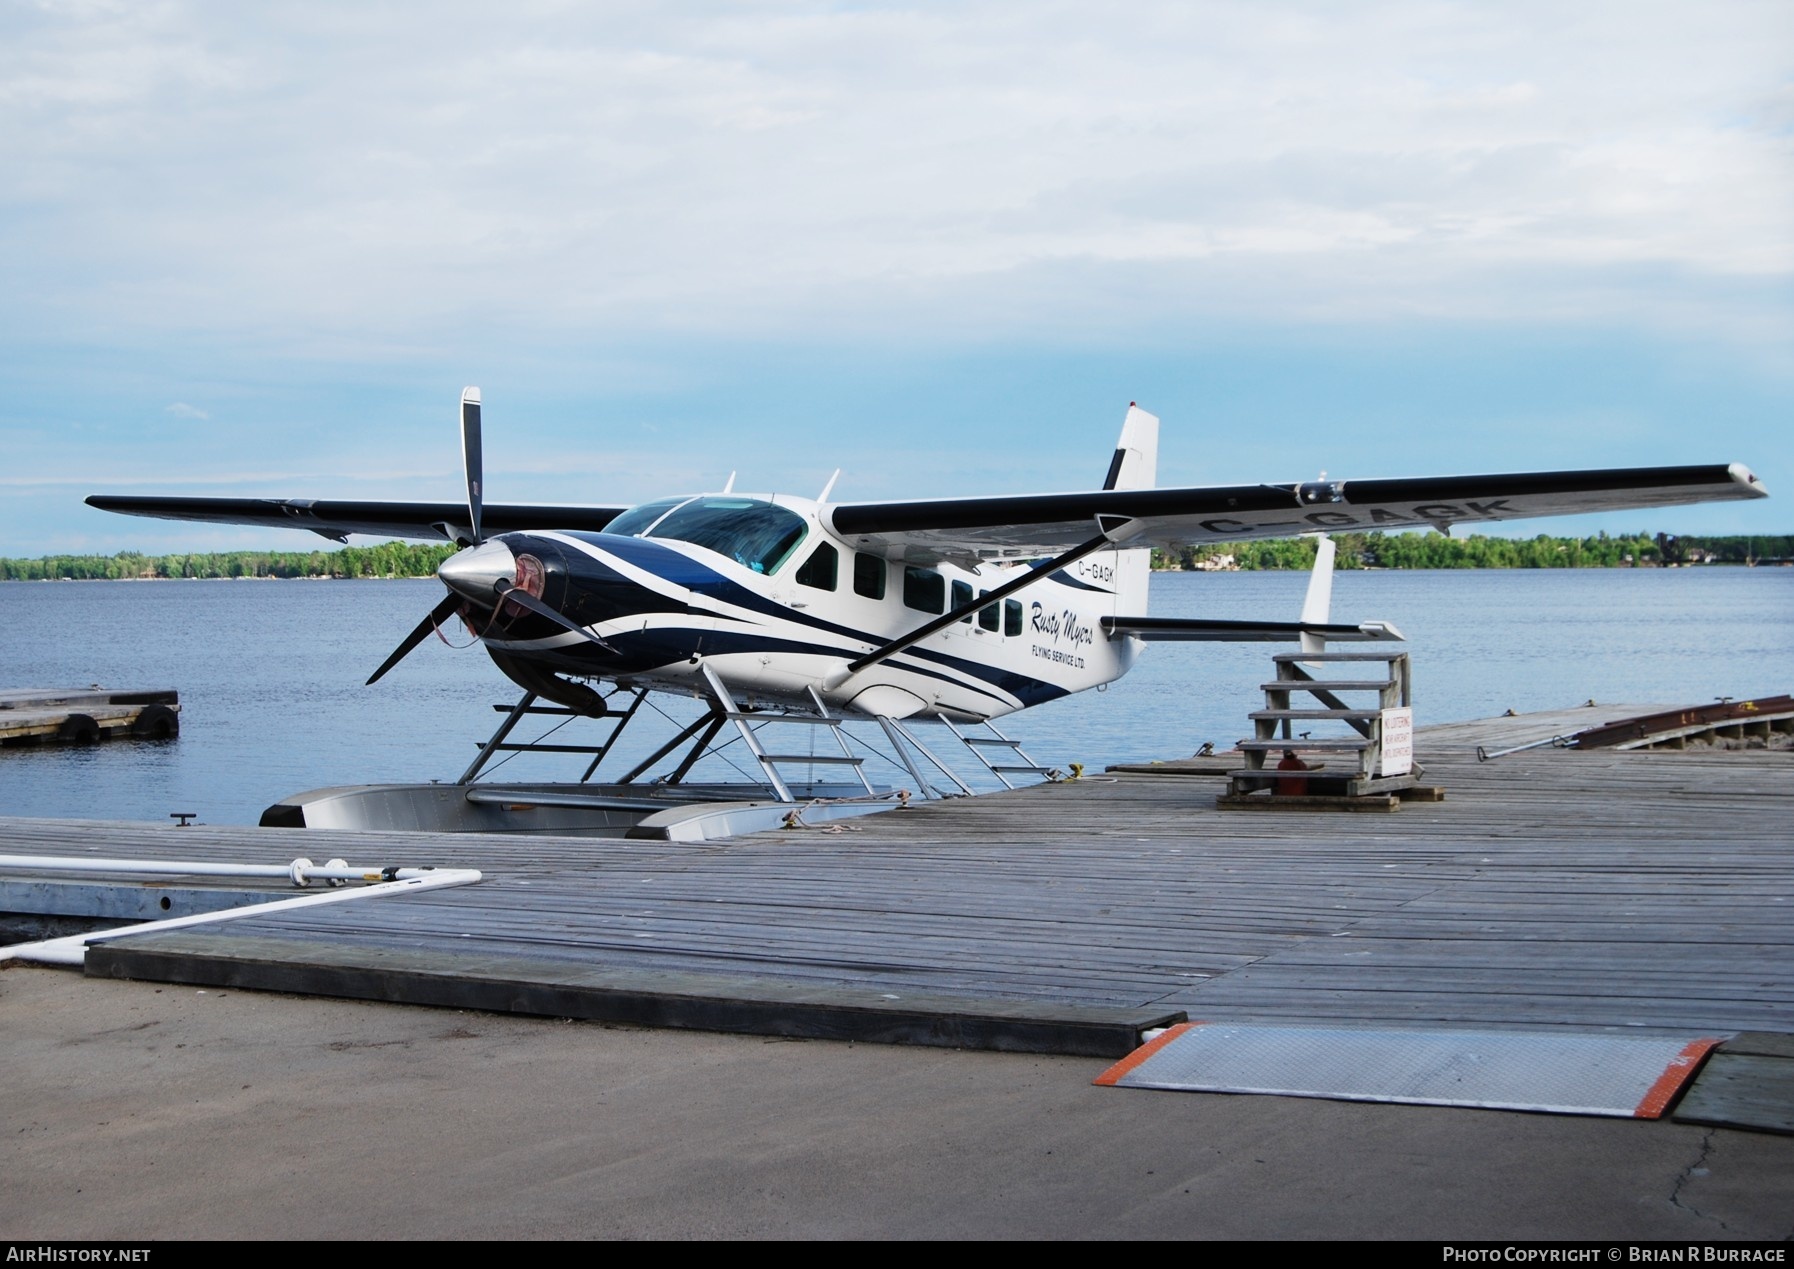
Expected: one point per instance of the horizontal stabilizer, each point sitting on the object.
(1198, 630)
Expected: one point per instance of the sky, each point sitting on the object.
(259, 249)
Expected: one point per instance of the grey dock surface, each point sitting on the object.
(1551, 887)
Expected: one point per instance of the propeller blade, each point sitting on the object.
(472, 459)
(439, 614)
(523, 599)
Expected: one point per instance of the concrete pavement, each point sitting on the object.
(146, 1111)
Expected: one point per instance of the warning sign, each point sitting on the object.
(1398, 741)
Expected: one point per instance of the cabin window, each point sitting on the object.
(988, 616)
(756, 534)
(962, 595)
(924, 589)
(821, 569)
(1012, 617)
(869, 575)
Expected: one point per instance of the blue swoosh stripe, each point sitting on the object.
(652, 557)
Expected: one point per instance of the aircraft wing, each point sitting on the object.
(335, 519)
(1032, 525)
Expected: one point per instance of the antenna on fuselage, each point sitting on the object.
(729, 484)
(829, 488)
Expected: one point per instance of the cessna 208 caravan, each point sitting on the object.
(963, 608)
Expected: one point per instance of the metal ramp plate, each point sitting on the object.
(1571, 1073)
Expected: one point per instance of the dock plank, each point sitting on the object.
(1551, 888)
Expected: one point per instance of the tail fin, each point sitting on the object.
(1318, 602)
(1135, 466)
(1136, 461)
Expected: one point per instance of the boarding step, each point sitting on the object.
(1347, 783)
(612, 719)
(1002, 771)
(752, 723)
(1349, 715)
(1315, 774)
(1289, 658)
(1327, 685)
(1326, 744)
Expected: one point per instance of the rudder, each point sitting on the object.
(1135, 466)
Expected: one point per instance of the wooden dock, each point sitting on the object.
(1550, 888)
(86, 716)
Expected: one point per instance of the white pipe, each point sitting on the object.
(71, 949)
(299, 872)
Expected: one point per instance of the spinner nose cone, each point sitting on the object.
(476, 572)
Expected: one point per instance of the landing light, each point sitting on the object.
(529, 579)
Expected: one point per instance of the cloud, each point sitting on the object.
(787, 231)
(398, 173)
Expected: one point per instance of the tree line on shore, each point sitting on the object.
(1435, 550)
(1356, 550)
(386, 559)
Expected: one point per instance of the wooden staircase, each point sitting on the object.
(1366, 753)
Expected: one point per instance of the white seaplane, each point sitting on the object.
(960, 609)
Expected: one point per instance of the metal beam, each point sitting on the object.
(504, 729)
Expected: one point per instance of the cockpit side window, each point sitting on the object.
(822, 569)
(756, 534)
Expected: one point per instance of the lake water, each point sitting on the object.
(270, 674)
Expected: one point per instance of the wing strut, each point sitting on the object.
(1113, 530)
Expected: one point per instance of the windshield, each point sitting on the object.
(637, 520)
(753, 533)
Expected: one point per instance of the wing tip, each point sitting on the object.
(1748, 481)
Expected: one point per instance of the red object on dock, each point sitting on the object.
(1291, 786)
